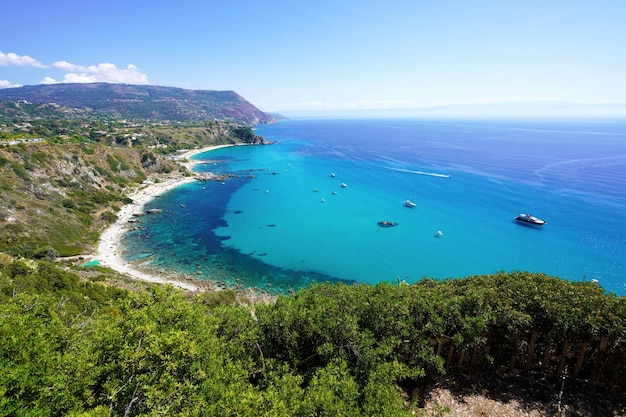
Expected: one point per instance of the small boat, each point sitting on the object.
(385, 223)
(344, 185)
(410, 204)
(530, 219)
(332, 174)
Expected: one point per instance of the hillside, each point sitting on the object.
(52, 196)
(61, 183)
(135, 102)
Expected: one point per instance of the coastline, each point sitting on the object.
(107, 253)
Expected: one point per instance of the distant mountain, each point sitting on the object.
(500, 110)
(147, 102)
(532, 109)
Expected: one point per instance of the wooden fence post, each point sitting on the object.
(580, 358)
(450, 353)
(531, 349)
(461, 359)
(564, 351)
(474, 357)
(600, 359)
(546, 355)
(514, 356)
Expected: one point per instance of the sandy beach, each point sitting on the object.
(107, 253)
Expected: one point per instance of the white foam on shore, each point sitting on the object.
(107, 253)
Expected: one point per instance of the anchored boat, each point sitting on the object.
(530, 219)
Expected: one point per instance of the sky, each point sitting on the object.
(327, 54)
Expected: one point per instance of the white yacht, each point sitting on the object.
(530, 219)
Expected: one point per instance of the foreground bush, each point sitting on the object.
(79, 348)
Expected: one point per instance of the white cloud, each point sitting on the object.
(12, 59)
(104, 72)
(81, 78)
(66, 66)
(48, 80)
(8, 84)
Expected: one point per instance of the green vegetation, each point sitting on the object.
(82, 347)
(54, 188)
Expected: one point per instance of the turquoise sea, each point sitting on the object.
(282, 220)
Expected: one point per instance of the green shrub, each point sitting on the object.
(216, 298)
(19, 171)
(113, 163)
(40, 157)
(108, 217)
(103, 172)
(47, 252)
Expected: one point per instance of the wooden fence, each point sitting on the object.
(540, 356)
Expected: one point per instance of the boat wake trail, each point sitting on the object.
(429, 174)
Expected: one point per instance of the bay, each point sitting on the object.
(283, 221)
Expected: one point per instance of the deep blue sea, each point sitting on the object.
(282, 220)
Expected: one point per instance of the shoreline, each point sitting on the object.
(107, 253)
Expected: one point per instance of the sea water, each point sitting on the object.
(307, 207)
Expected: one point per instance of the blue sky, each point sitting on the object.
(323, 54)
